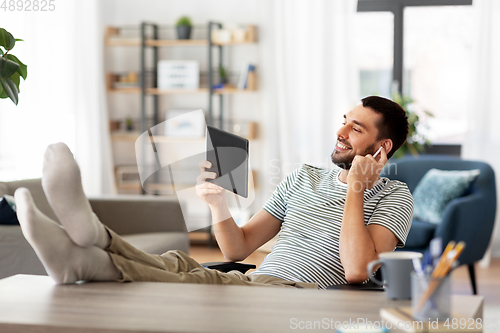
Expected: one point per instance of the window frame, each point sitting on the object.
(397, 8)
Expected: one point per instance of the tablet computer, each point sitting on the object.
(228, 154)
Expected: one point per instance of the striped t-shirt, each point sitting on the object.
(310, 203)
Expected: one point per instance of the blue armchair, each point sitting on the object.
(469, 218)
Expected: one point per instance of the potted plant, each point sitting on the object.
(416, 141)
(223, 75)
(183, 26)
(11, 68)
(129, 124)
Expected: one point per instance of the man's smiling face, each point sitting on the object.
(357, 136)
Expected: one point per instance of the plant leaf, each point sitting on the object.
(10, 89)
(23, 69)
(6, 39)
(7, 67)
(1, 52)
(19, 40)
(16, 78)
(2, 93)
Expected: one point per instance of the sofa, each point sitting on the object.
(153, 224)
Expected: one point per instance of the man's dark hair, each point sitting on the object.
(394, 123)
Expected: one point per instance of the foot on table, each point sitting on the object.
(63, 260)
(62, 184)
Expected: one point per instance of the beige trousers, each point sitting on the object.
(176, 266)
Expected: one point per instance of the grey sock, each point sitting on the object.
(62, 184)
(63, 260)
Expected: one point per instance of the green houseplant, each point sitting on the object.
(11, 68)
(416, 141)
(223, 75)
(183, 26)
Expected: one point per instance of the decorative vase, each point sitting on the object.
(183, 31)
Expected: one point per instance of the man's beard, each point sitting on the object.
(344, 159)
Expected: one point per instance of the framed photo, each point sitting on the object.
(185, 123)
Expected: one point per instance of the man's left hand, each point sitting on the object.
(365, 171)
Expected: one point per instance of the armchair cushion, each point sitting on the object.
(420, 234)
(436, 189)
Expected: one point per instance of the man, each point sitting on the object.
(331, 223)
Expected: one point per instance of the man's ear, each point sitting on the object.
(387, 144)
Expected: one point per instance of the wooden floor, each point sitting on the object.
(488, 285)
(487, 279)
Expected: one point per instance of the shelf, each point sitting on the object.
(112, 39)
(155, 42)
(156, 91)
(176, 42)
(120, 136)
(132, 90)
(166, 42)
(130, 83)
(233, 43)
(133, 136)
(232, 90)
(154, 187)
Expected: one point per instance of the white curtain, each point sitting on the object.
(483, 138)
(63, 97)
(308, 81)
(92, 146)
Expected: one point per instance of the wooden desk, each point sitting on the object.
(31, 303)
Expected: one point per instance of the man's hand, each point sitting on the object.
(212, 194)
(235, 242)
(365, 171)
(359, 244)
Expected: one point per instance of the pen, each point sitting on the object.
(417, 266)
(435, 248)
(427, 263)
(449, 256)
(378, 151)
(442, 260)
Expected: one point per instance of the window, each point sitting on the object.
(437, 58)
(430, 54)
(374, 52)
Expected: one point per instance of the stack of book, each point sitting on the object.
(247, 80)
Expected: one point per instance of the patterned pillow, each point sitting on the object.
(8, 214)
(436, 189)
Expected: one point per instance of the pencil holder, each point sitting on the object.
(430, 297)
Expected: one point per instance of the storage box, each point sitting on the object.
(178, 74)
